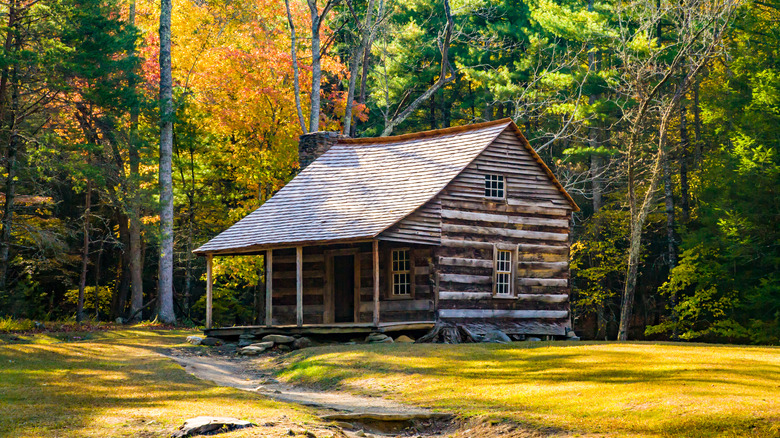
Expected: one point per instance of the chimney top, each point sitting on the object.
(312, 145)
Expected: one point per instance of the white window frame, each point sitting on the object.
(394, 271)
(495, 182)
(511, 273)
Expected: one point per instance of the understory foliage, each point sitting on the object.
(79, 128)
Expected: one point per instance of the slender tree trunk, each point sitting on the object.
(84, 254)
(684, 142)
(671, 251)
(119, 299)
(296, 74)
(354, 64)
(360, 51)
(165, 276)
(135, 259)
(188, 269)
(697, 149)
(316, 68)
(12, 44)
(97, 280)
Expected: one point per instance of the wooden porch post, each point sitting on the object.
(209, 289)
(376, 282)
(269, 279)
(299, 285)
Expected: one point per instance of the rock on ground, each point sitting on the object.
(302, 342)
(211, 342)
(378, 338)
(264, 344)
(279, 339)
(403, 339)
(496, 337)
(194, 340)
(210, 425)
(251, 350)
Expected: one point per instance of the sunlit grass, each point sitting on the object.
(113, 384)
(631, 389)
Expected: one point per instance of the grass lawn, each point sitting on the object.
(112, 384)
(629, 389)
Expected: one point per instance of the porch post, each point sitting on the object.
(376, 282)
(269, 279)
(209, 287)
(299, 285)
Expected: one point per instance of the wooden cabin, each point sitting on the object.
(463, 226)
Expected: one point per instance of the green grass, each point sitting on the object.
(113, 384)
(629, 389)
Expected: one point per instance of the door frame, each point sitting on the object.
(329, 295)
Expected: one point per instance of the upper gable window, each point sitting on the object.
(494, 186)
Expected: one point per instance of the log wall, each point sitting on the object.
(533, 219)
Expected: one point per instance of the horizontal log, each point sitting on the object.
(546, 249)
(513, 326)
(495, 313)
(399, 306)
(449, 295)
(504, 232)
(459, 243)
(464, 262)
(469, 279)
(545, 298)
(540, 265)
(503, 218)
(545, 208)
(543, 282)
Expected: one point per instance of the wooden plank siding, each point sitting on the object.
(534, 218)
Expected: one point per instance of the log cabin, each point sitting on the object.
(462, 226)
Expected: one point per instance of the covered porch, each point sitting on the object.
(337, 288)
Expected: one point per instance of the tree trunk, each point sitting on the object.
(13, 148)
(354, 64)
(119, 298)
(360, 51)
(165, 276)
(296, 74)
(84, 254)
(135, 259)
(671, 252)
(316, 68)
(684, 142)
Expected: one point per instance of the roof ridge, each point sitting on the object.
(425, 134)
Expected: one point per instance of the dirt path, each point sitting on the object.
(238, 374)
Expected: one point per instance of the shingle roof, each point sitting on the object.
(358, 188)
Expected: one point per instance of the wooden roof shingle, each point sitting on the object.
(359, 188)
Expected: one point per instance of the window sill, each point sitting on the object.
(399, 297)
(504, 297)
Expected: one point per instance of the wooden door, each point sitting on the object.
(344, 288)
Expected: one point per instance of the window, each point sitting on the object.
(503, 286)
(401, 273)
(494, 186)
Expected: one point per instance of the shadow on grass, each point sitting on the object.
(679, 389)
(63, 389)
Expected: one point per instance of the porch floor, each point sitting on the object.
(319, 329)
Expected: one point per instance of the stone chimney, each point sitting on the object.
(312, 145)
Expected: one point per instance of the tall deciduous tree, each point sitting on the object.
(165, 275)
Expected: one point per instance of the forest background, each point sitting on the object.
(661, 118)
